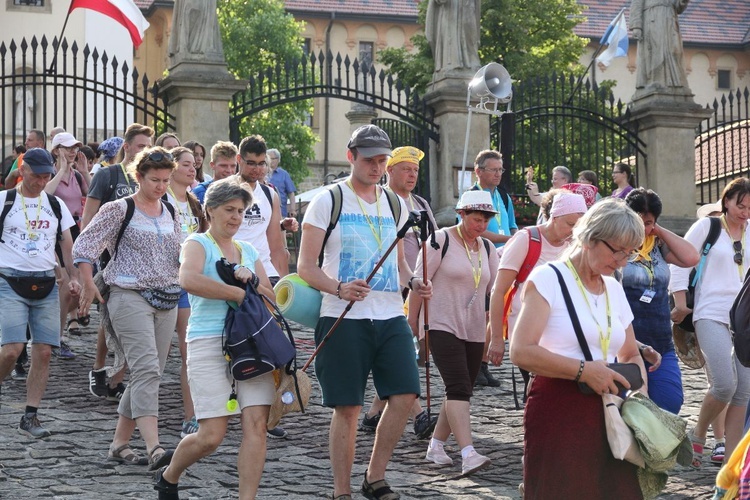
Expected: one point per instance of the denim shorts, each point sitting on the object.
(41, 315)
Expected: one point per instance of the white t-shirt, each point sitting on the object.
(514, 253)
(253, 228)
(559, 336)
(30, 235)
(184, 214)
(352, 251)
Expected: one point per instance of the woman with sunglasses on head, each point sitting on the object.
(720, 280)
(143, 282)
(645, 280)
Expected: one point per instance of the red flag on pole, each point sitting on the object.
(124, 12)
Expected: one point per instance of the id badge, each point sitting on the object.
(648, 296)
(31, 249)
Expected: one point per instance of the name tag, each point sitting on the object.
(648, 296)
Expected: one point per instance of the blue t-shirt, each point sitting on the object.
(505, 220)
(283, 183)
(200, 190)
(207, 315)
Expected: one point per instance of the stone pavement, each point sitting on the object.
(71, 464)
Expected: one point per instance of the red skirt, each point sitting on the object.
(566, 453)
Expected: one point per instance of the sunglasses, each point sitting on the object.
(159, 156)
(737, 246)
(621, 254)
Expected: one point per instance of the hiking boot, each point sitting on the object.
(98, 382)
(30, 426)
(18, 373)
(189, 427)
(370, 424)
(423, 426)
(438, 455)
(114, 394)
(485, 378)
(167, 491)
(277, 433)
(64, 351)
(473, 463)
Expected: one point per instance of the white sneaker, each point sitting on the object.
(438, 456)
(473, 463)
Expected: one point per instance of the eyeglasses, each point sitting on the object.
(738, 257)
(617, 172)
(494, 171)
(621, 254)
(251, 163)
(159, 156)
(273, 157)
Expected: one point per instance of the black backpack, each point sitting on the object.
(11, 197)
(739, 323)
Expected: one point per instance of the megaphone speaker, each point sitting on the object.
(492, 80)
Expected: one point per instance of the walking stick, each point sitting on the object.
(423, 236)
(411, 222)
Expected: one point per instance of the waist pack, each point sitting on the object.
(253, 340)
(162, 299)
(31, 287)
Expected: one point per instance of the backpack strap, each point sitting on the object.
(9, 200)
(336, 198)
(129, 211)
(529, 262)
(713, 235)
(57, 210)
(267, 192)
(79, 178)
(445, 246)
(394, 203)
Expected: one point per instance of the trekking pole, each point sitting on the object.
(412, 221)
(423, 230)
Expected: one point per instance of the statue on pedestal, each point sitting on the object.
(452, 30)
(654, 24)
(195, 32)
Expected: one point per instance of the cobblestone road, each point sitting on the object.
(71, 464)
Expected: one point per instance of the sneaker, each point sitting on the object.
(277, 433)
(424, 426)
(438, 456)
(189, 427)
(485, 378)
(98, 383)
(167, 491)
(370, 424)
(18, 373)
(473, 463)
(31, 427)
(114, 394)
(717, 455)
(63, 352)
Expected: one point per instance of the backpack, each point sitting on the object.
(129, 211)
(739, 323)
(112, 182)
(11, 198)
(337, 195)
(532, 256)
(713, 234)
(486, 242)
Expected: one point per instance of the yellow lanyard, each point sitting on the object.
(32, 235)
(476, 272)
(127, 178)
(237, 245)
(603, 340)
(379, 233)
(741, 265)
(189, 227)
(648, 266)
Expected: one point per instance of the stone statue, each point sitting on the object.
(452, 30)
(655, 26)
(195, 32)
(24, 109)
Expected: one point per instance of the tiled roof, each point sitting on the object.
(721, 149)
(387, 8)
(704, 22)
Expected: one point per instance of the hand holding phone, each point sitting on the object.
(529, 175)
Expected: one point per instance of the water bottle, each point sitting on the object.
(287, 398)
(416, 345)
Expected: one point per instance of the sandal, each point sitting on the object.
(345, 496)
(379, 490)
(84, 320)
(74, 331)
(131, 458)
(157, 460)
(698, 445)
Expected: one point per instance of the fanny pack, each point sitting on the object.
(31, 287)
(163, 299)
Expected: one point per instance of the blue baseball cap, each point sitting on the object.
(40, 161)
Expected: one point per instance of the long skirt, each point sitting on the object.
(566, 453)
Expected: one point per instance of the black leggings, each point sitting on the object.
(458, 362)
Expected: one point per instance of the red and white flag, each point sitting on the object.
(125, 12)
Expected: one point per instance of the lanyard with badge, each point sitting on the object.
(186, 227)
(476, 272)
(603, 339)
(649, 293)
(127, 178)
(31, 249)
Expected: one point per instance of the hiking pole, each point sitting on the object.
(423, 234)
(412, 221)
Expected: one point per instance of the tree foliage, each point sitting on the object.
(257, 35)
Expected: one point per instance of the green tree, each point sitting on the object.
(258, 35)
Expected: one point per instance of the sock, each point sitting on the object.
(436, 444)
(466, 451)
(31, 409)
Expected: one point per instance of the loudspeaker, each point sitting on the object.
(494, 81)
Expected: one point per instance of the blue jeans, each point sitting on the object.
(665, 384)
(41, 315)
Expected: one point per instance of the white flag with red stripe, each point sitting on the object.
(125, 12)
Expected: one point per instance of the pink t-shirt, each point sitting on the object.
(69, 191)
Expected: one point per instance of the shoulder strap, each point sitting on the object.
(336, 198)
(267, 192)
(486, 245)
(57, 210)
(532, 255)
(445, 245)
(129, 211)
(395, 204)
(573, 316)
(111, 184)
(9, 200)
(421, 202)
(504, 196)
(713, 235)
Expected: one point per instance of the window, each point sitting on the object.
(366, 53)
(724, 79)
(29, 3)
(306, 46)
(35, 6)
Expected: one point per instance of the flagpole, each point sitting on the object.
(610, 28)
(52, 65)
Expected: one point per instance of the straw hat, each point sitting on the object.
(687, 348)
(480, 201)
(285, 388)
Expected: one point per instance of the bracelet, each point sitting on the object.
(410, 285)
(338, 290)
(580, 372)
